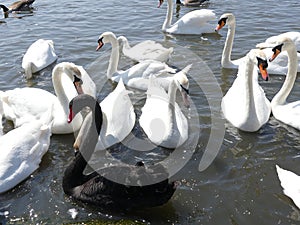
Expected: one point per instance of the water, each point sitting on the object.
(239, 187)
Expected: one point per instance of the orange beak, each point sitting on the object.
(71, 115)
(220, 25)
(160, 2)
(264, 73)
(275, 54)
(78, 87)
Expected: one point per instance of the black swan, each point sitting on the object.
(95, 188)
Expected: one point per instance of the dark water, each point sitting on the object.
(239, 187)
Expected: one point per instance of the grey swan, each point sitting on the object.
(95, 188)
(22, 5)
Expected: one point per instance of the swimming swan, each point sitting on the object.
(277, 67)
(145, 50)
(22, 150)
(288, 113)
(194, 22)
(95, 188)
(245, 105)
(161, 118)
(290, 182)
(23, 105)
(38, 56)
(136, 76)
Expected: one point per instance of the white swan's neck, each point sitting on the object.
(28, 70)
(114, 58)
(125, 44)
(249, 98)
(59, 89)
(168, 19)
(226, 55)
(172, 93)
(281, 96)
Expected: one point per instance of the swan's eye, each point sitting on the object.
(262, 62)
(100, 40)
(277, 48)
(77, 79)
(222, 21)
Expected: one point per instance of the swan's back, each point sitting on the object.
(39, 55)
(136, 187)
(22, 150)
(194, 22)
(290, 182)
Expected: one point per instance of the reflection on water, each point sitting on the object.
(239, 187)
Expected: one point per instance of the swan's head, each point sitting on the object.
(104, 38)
(259, 58)
(182, 83)
(73, 72)
(282, 44)
(226, 18)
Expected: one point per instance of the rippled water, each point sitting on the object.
(239, 187)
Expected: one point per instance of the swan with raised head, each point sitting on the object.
(22, 150)
(117, 109)
(136, 76)
(38, 56)
(245, 105)
(23, 105)
(162, 119)
(95, 188)
(145, 50)
(290, 182)
(277, 67)
(288, 113)
(194, 22)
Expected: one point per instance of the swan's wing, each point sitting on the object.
(41, 54)
(119, 117)
(290, 182)
(88, 85)
(23, 105)
(194, 22)
(21, 152)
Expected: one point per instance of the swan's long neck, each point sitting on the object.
(226, 55)
(114, 58)
(125, 44)
(59, 89)
(281, 96)
(248, 69)
(168, 19)
(172, 97)
(73, 176)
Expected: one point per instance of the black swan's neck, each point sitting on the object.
(73, 176)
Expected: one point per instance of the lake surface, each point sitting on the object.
(240, 185)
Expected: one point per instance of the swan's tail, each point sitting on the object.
(186, 69)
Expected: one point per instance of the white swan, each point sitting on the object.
(245, 105)
(118, 119)
(145, 50)
(22, 150)
(290, 182)
(280, 65)
(38, 56)
(161, 118)
(288, 113)
(226, 62)
(22, 105)
(277, 67)
(194, 22)
(137, 75)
